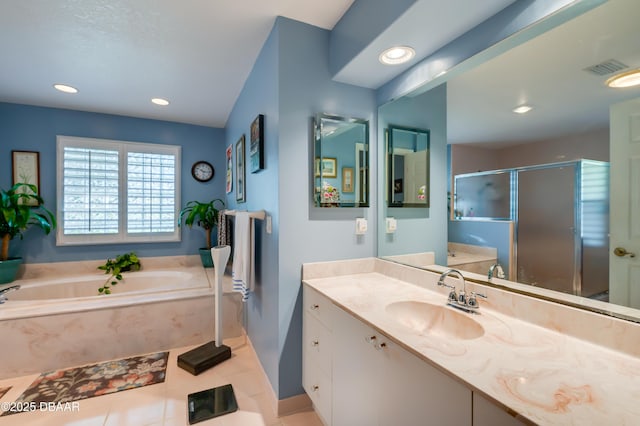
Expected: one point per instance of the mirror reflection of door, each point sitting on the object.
(624, 265)
(408, 167)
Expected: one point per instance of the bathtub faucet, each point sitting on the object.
(4, 291)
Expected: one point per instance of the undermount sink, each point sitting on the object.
(435, 320)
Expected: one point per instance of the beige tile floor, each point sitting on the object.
(166, 403)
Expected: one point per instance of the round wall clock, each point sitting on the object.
(202, 171)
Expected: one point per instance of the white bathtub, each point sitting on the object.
(56, 320)
(87, 285)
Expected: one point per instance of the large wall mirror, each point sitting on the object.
(407, 167)
(341, 162)
(575, 120)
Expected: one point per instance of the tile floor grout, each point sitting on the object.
(165, 404)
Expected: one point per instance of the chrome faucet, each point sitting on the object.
(4, 291)
(460, 300)
(495, 271)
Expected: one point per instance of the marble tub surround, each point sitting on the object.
(30, 271)
(541, 373)
(58, 333)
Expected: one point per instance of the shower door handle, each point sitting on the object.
(622, 252)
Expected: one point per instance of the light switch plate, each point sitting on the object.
(268, 224)
(391, 225)
(361, 226)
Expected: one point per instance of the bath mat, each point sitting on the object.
(73, 384)
(4, 391)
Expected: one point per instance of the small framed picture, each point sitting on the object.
(347, 179)
(256, 145)
(241, 196)
(329, 167)
(26, 169)
(229, 156)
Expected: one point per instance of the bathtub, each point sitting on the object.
(57, 319)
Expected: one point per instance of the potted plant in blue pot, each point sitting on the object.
(204, 215)
(17, 214)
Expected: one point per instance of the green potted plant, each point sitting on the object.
(18, 215)
(204, 215)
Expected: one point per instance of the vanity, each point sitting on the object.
(380, 346)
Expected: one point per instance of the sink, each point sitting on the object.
(435, 320)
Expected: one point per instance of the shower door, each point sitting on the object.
(547, 247)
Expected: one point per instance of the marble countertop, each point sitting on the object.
(461, 258)
(544, 376)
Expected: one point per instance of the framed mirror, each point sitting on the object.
(340, 162)
(407, 167)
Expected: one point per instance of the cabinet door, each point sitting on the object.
(486, 413)
(416, 393)
(356, 373)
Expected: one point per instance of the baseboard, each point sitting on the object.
(293, 404)
(282, 407)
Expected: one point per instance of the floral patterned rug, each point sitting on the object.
(4, 391)
(73, 384)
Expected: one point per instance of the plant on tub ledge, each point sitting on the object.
(122, 263)
(20, 208)
(204, 215)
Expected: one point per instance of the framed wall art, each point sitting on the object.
(241, 195)
(26, 169)
(329, 167)
(347, 179)
(256, 145)
(229, 173)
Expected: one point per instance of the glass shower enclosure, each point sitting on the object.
(561, 217)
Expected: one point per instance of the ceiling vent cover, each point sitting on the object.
(607, 67)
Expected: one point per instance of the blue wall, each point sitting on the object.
(419, 229)
(291, 83)
(31, 128)
(307, 233)
(260, 96)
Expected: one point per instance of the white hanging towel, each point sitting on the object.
(243, 271)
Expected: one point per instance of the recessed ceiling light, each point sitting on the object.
(625, 79)
(160, 101)
(65, 88)
(522, 109)
(397, 55)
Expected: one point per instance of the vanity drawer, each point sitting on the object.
(317, 343)
(318, 306)
(318, 385)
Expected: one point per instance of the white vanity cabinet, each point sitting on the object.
(376, 382)
(356, 376)
(317, 350)
(486, 413)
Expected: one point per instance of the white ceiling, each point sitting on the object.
(547, 72)
(196, 53)
(122, 53)
(426, 26)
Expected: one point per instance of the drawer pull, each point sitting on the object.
(370, 339)
(315, 343)
(315, 388)
(315, 307)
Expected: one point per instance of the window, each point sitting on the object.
(116, 192)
